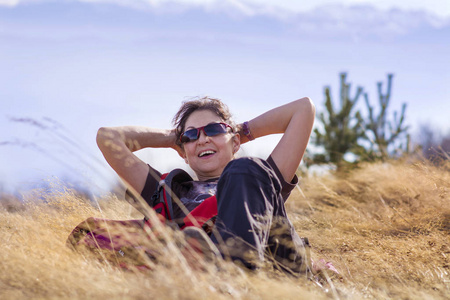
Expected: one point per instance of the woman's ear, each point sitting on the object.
(180, 151)
(183, 155)
(236, 143)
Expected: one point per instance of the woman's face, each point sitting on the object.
(208, 155)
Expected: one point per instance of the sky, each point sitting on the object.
(70, 67)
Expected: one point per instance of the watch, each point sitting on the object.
(246, 130)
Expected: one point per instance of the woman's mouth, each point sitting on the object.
(206, 153)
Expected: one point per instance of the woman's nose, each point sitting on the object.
(203, 138)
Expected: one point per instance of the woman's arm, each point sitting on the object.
(118, 144)
(295, 120)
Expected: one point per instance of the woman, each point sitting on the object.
(250, 192)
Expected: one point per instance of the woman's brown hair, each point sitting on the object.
(204, 103)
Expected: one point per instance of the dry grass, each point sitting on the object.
(386, 227)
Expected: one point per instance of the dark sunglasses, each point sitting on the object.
(210, 130)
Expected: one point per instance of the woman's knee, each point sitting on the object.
(251, 172)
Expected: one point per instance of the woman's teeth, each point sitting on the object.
(204, 153)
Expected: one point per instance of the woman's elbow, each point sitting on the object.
(104, 134)
(306, 105)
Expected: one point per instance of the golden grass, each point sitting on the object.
(386, 227)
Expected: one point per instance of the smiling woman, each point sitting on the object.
(247, 195)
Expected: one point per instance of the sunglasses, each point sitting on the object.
(210, 130)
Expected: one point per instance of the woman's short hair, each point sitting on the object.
(204, 103)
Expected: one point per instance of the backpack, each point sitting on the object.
(164, 200)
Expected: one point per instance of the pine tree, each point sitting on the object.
(386, 137)
(342, 126)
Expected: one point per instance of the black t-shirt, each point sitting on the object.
(192, 193)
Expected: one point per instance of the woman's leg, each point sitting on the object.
(251, 217)
(246, 194)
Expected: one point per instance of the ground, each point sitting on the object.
(385, 226)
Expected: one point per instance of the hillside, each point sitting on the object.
(386, 228)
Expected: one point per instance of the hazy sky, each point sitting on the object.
(69, 67)
(439, 7)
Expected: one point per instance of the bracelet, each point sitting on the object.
(246, 130)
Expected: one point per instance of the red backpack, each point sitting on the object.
(164, 200)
